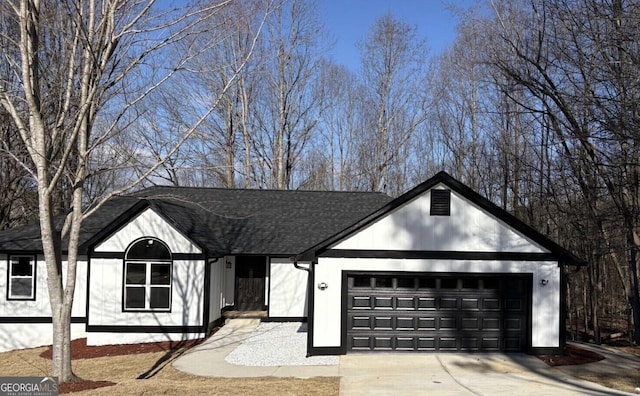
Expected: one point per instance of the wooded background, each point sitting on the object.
(536, 106)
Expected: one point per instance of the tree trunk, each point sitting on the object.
(62, 345)
(634, 299)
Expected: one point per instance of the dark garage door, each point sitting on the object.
(437, 313)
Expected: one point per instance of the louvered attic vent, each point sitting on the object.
(440, 203)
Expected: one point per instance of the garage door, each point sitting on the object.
(437, 313)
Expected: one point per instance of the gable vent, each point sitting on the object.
(440, 203)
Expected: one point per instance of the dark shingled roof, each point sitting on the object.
(226, 221)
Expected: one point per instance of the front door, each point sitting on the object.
(250, 282)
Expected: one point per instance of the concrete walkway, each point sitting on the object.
(207, 359)
(413, 374)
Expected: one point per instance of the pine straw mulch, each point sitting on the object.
(573, 355)
(80, 350)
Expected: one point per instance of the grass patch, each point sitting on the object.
(124, 371)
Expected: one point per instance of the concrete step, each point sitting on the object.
(242, 322)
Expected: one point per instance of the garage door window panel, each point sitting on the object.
(384, 282)
(427, 283)
(448, 283)
(362, 282)
(406, 283)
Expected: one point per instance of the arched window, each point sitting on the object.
(147, 276)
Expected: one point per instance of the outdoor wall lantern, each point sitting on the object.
(322, 285)
(544, 282)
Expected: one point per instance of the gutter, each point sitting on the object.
(295, 264)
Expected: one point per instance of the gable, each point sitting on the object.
(147, 224)
(468, 227)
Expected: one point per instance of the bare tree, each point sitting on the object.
(286, 110)
(394, 74)
(579, 60)
(89, 61)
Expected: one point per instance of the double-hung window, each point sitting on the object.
(22, 278)
(147, 276)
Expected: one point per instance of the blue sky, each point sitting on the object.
(349, 21)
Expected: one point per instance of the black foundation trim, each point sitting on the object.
(36, 319)
(546, 351)
(145, 329)
(319, 351)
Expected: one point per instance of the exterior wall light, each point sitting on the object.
(544, 282)
(322, 285)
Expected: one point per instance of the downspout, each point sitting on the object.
(294, 259)
(295, 264)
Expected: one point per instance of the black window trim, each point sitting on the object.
(34, 277)
(148, 285)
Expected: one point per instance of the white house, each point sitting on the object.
(438, 268)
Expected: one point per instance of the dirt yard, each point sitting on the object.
(116, 370)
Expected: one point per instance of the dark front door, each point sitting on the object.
(250, 282)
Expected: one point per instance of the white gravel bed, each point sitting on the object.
(277, 344)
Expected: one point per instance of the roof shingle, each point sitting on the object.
(226, 221)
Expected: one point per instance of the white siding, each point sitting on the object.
(216, 286)
(31, 335)
(545, 301)
(17, 335)
(468, 228)
(288, 290)
(147, 223)
(187, 296)
(106, 285)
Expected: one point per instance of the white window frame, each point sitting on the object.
(148, 262)
(11, 277)
(147, 286)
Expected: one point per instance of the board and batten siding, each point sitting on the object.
(468, 228)
(106, 287)
(217, 268)
(287, 289)
(14, 333)
(148, 224)
(545, 326)
(411, 227)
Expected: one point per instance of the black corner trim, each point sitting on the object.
(439, 254)
(36, 319)
(285, 319)
(216, 323)
(323, 351)
(145, 329)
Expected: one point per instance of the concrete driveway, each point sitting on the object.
(411, 374)
(458, 374)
